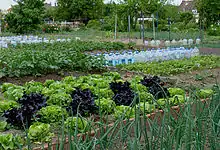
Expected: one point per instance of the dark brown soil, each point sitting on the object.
(201, 79)
(215, 51)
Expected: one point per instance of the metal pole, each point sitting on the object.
(169, 27)
(129, 27)
(115, 26)
(0, 25)
(142, 26)
(157, 24)
(153, 27)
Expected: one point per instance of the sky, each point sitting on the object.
(5, 4)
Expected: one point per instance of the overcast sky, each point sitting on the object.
(5, 4)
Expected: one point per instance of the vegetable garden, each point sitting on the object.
(106, 110)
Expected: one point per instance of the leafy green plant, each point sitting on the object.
(40, 132)
(124, 112)
(177, 99)
(12, 92)
(205, 93)
(6, 105)
(44, 58)
(59, 99)
(146, 107)
(52, 114)
(3, 125)
(76, 123)
(9, 142)
(176, 91)
(173, 67)
(106, 105)
(6, 86)
(33, 87)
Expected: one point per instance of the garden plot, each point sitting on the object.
(70, 103)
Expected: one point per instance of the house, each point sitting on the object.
(189, 6)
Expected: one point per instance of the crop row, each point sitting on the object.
(173, 67)
(41, 105)
(45, 58)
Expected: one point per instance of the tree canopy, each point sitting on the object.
(209, 11)
(26, 16)
(80, 9)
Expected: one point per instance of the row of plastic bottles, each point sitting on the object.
(129, 57)
(15, 40)
(184, 42)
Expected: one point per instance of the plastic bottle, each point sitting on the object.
(190, 42)
(173, 42)
(13, 43)
(123, 58)
(157, 43)
(152, 43)
(119, 57)
(110, 59)
(184, 42)
(196, 51)
(167, 43)
(198, 41)
(136, 56)
(165, 54)
(130, 58)
(146, 43)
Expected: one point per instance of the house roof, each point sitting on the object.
(187, 5)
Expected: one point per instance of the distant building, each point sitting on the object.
(189, 6)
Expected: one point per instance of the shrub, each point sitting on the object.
(214, 30)
(94, 24)
(50, 28)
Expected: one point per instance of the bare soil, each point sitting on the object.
(200, 79)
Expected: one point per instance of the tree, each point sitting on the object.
(209, 11)
(26, 16)
(80, 9)
(51, 13)
(169, 11)
(134, 9)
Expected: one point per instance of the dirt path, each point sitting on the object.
(215, 51)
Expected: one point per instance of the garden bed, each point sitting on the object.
(111, 129)
(55, 102)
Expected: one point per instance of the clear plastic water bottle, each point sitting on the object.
(130, 58)
(13, 43)
(136, 56)
(110, 60)
(173, 42)
(190, 42)
(68, 40)
(146, 43)
(198, 41)
(196, 51)
(167, 43)
(184, 42)
(119, 56)
(152, 43)
(157, 42)
(165, 54)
